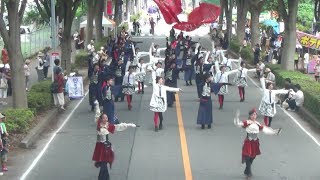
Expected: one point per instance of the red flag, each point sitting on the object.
(170, 9)
(186, 26)
(205, 13)
(109, 7)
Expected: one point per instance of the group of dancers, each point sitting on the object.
(116, 77)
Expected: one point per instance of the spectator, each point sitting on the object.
(3, 86)
(58, 96)
(40, 66)
(297, 99)
(317, 71)
(306, 62)
(287, 86)
(90, 46)
(46, 65)
(256, 53)
(60, 34)
(260, 69)
(4, 56)
(27, 73)
(270, 76)
(57, 66)
(152, 24)
(4, 148)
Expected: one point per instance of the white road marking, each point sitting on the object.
(36, 160)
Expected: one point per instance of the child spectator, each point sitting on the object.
(4, 147)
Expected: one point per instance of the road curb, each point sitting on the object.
(302, 112)
(34, 133)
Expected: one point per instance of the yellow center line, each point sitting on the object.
(183, 140)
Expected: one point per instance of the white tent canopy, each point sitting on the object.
(107, 23)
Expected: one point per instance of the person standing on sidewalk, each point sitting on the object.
(3, 86)
(40, 66)
(4, 140)
(58, 96)
(46, 65)
(27, 73)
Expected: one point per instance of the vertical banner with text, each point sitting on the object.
(75, 87)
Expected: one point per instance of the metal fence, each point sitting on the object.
(34, 41)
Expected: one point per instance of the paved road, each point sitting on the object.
(142, 153)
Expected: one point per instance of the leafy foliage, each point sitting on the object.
(39, 97)
(18, 120)
(33, 16)
(81, 59)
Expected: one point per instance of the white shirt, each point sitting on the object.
(26, 70)
(40, 61)
(306, 58)
(90, 46)
(226, 62)
(299, 98)
(128, 79)
(270, 77)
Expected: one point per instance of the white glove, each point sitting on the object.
(133, 125)
(96, 102)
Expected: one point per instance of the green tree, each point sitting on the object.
(33, 16)
(242, 11)
(12, 41)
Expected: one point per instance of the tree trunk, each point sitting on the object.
(116, 12)
(90, 17)
(316, 15)
(98, 19)
(228, 10)
(127, 9)
(12, 41)
(290, 20)
(66, 38)
(254, 26)
(242, 10)
(222, 5)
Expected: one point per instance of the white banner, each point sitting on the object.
(75, 87)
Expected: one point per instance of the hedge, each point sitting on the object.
(40, 97)
(81, 59)
(18, 120)
(309, 87)
(246, 53)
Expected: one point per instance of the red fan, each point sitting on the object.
(170, 9)
(186, 26)
(205, 13)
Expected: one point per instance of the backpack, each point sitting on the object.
(54, 87)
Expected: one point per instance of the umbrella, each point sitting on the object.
(205, 13)
(152, 10)
(186, 26)
(270, 22)
(274, 24)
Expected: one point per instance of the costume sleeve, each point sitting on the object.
(122, 126)
(96, 110)
(172, 89)
(280, 91)
(263, 83)
(269, 130)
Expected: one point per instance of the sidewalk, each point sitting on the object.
(33, 78)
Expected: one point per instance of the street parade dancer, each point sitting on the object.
(94, 86)
(119, 74)
(221, 78)
(158, 102)
(198, 67)
(268, 102)
(107, 97)
(103, 153)
(128, 83)
(251, 143)
(171, 79)
(188, 68)
(205, 107)
(241, 79)
(141, 68)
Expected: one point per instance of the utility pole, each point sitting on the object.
(53, 26)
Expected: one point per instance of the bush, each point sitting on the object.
(136, 17)
(100, 43)
(309, 87)
(43, 86)
(39, 101)
(81, 59)
(18, 120)
(235, 45)
(246, 53)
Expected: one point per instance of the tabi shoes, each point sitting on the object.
(156, 128)
(160, 126)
